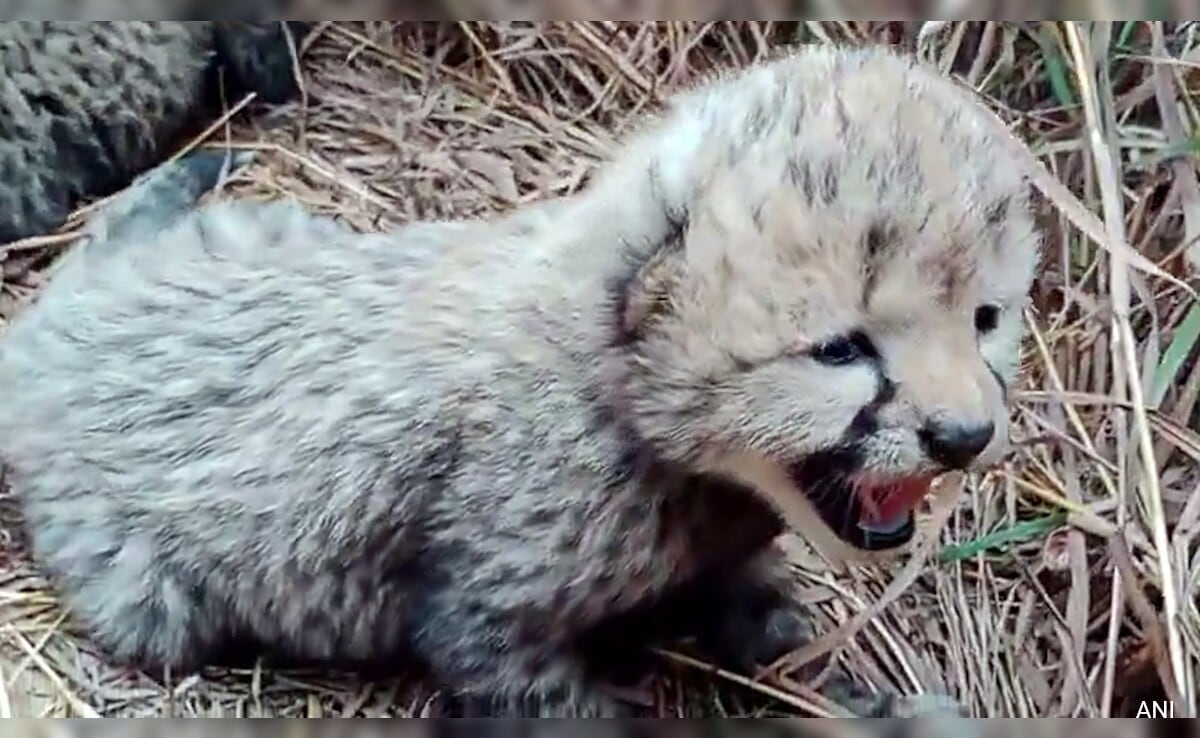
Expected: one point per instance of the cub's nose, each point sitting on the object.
(955, 445)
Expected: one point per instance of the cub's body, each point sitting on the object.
(480, 445)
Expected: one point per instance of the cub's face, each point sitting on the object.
(850, 314)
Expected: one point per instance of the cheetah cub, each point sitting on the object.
(86, 106)
(505, 450)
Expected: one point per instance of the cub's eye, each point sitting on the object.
(987, 317)
(843, 350)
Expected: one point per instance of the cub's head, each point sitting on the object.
(836, 315)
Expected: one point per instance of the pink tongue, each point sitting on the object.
(889, 506)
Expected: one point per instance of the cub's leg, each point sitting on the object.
(489, 667)
(747, 618)
(744, 616)
(133, 608)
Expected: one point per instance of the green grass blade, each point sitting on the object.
(1056, 68)
(1127, 29)
(1023, 531)
(1182, 345)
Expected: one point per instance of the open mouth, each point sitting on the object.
(872, 515)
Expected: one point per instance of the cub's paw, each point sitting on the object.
(755, 629)
(762, 640)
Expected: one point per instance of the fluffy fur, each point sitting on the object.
(500, 449)
(85, 106)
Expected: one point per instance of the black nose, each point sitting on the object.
(955, 445)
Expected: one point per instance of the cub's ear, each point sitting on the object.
(647, 295)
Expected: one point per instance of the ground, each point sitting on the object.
(1064, 583)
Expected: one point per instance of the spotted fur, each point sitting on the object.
(505, 450)
(85, 106)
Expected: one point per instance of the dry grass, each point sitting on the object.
(1064, 585)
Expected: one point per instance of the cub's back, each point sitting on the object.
(259, 322)
(221, 382)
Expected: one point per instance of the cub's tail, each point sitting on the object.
(162, 195)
